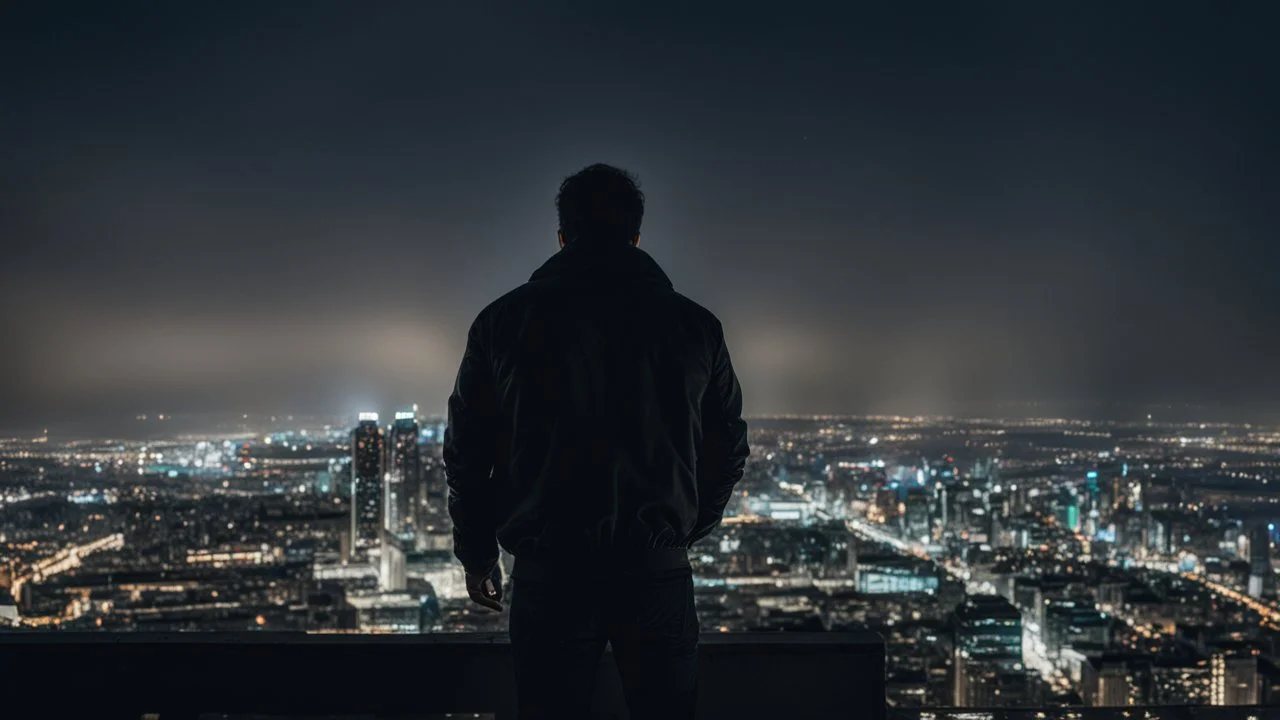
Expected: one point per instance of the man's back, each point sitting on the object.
(596, 431)
(608, 385)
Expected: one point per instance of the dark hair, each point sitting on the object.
(600, 203)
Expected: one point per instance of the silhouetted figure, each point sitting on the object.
(596, 432)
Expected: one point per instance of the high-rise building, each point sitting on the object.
(841, 557)
(391, 573)
(1068, 509)
(916, 519)
(941, 501)
(851, 557)
(1107, 683)
(1234, 679)
(1262, 583)
(988, 651)
(366, 482)
(989, 629)
(402, 486)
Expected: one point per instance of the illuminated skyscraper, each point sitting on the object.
(987, 656)
(404, 475)
(989, 629)
(366, 482)
(1261, 579)
(1068, 509)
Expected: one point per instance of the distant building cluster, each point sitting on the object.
(1006, 562)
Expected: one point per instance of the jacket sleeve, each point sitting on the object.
(723, 454)
(470, 443)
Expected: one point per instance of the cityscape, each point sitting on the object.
(996, 280)
(1006, 562)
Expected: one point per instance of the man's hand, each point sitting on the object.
(486, 590)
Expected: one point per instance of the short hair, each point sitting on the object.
(600, 203)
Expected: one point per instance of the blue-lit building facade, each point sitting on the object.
(988, 660)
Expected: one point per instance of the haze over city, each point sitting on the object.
(234, 207)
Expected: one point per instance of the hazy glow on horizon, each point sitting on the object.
(891, 213)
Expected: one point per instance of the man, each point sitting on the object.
(595, 432)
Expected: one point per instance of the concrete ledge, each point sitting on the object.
(791, 675)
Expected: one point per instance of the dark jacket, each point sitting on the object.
(596, 421)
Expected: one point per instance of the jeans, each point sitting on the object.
(558, 634)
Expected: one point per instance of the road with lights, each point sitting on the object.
(1034, 652)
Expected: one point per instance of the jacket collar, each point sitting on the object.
(607, 262)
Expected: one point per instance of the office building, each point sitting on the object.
(1179, 681)
(989, 628)
(1110, 684)
(879, 574)
(916, 521)
(980, 685)
(1262, 583)
(988, 650)
(1067, 511)
(398, 612)
(1233, 679)
(392, 571)
(366, 482)
(402, 483)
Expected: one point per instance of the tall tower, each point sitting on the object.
(851, 558)
(404, 474)
(1261, 579)
(366, 482)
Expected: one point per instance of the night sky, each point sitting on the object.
(279, 205)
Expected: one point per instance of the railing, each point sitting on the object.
(187, 675)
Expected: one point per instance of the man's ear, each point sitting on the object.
(560, 237)
(635, 241)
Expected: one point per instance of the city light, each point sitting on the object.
(1084, 551)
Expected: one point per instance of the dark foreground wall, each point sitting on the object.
(100, 675)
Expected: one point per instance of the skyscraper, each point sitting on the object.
(404, 475)
(989, 629)
(1261, 579)
(851, 557)
(987, 654)
(1068, 509)
(917, 521)
(391, 571)
(366, 482)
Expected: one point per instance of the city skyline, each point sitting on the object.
(144, 425)
(219, 206)
(1004, 562)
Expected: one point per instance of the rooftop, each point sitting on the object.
(238, 676)
(269, 674)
